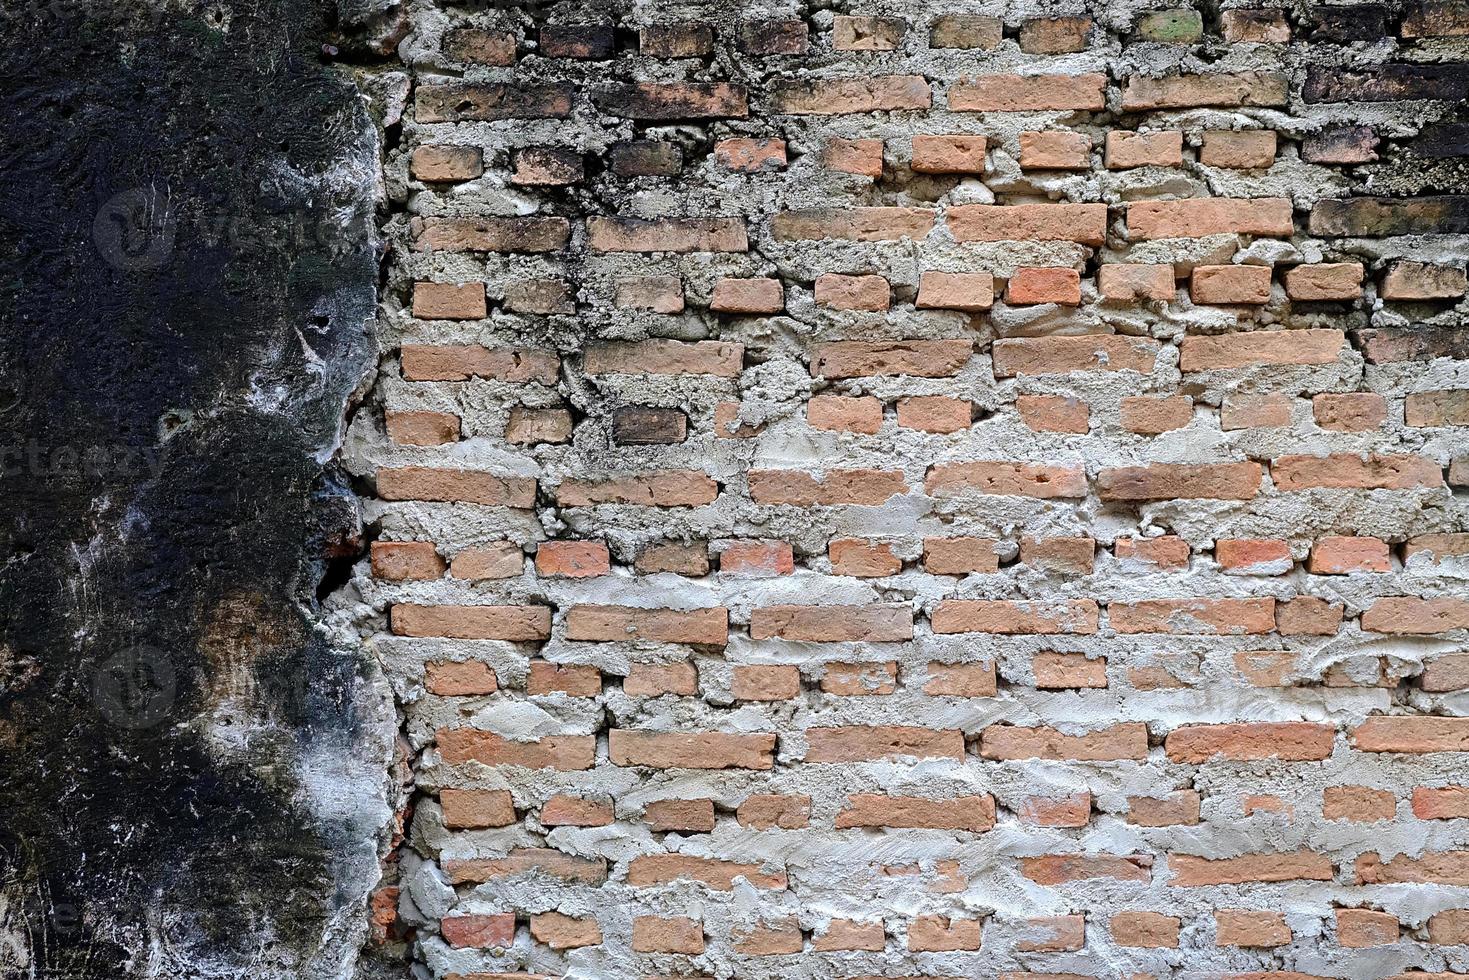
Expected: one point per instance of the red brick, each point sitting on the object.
(842, 414)
(1126, 150)
(1199, 217)
(1015, 616)
(1082, 223)
(1254, 556)
(1348, 471)
(572, 559)
(1221, 617)
(830, 489)
(1344, 555)
(667, 235)
(856, 743)
(1028, 93)
(519, 624)
(460, 363)
(478, 931)
(1287, 741)
(843, 96)
(866, 359)
(1229, 284)
(934, 413)
(975, 814)
(1062, 355)
(564, 752)
(669, 488)
(1044, 285)
(1181, 481)
(880, 623)
(747, 155)
(1005, 479)
(1053, 413)
(1128, 740)
(690, 750)
(948, 154)
(852, 292)
(609, 624)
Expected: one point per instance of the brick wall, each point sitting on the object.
(926, 493)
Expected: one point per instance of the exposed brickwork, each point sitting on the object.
(902, 492)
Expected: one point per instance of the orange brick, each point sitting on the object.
(1057, 869)
(1070, 811)
(1005, 616)
(1082, 223)
(1230, 284)
(1062, 355)
(422, 428)
(1131, 283)
(475, 809)
(1044, 285)
(1347, 471)
(564, 752)
(960, 680)
(1144, 930)
(849, 935)
(1218, 89)
(1152, 415)
(447, 301)
(667, 934)
(746, 155)
(865, 359)
(573, 680)
(655, 680)
(948, 154)
(1287, 741)
(1180, 807)
(1060, 671)
(1359, 804)
(690, 750)
(1181, 481)
(572, 559)
(1194, 872)
(756, 558)
(461, 363)
(960, 556)
(682, 816)
(968, 291)
(830, 489)
(1253, 556)
(404, 561)
(1055, 150)
(1324, 281)
(1239, 350)
(478, 931)
(748, 296)
(1252, 149)
(499, 559)
(1028, 93)
(609, 624)
(842, 414)
(852, 292)
(844, 96)
(1221, 617)
(857, 743)
(769, 811)
(862, 559)
(1344, 555)
(860, 157)
(1007, 479)
(572, 811)
(1125, 150)
(1199, 217)
(459, 678)
(1063, 556)
(515, 623)
(774, 682)
(1359, 928)
(975, 814)
(1242, 927)
(941, 934)
(560, 931)
(1128, 740)
(1166, 551)
(877, 623)
(669, 488)
(934, 413)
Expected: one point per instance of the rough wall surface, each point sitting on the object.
(919, 490)
(192, 766)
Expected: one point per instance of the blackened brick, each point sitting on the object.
(646, 159)
(481, 103)
(675, 100)
(1447, 140)
(593, 42)
(762, 37)
(1342, 25)
(1387, 83)
(639, 425)
(1377, 216)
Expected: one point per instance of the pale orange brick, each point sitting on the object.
(475, 809)
(655, 680)
(463, 362)
(668, 488)
(1058, 869)
(860, 680)
(405, 561)
(1082, 223)
(860, 743)
(1252, 149)
(1006, 479)
(1071, 811)
(861, 224)
(1447, 673)
(1028, 93)
(478, 931)
(1255, 26)
(1145, 930)
(1244, 927)
(1178, 808)
(1219, 89)
(674, 557)
(1347, 471)
(1230, 284)
(527, 861)
(841, 292)
(844, 935)
(1165, 551)
(1126, 150)
(567, 753)
(1015, 616)
(960, 680)
(765, 682)
(1358, 804)
(1152, 415)
(562, 810)
(1449, 928)
(1061, 671)
(1239, 350)
(975, 814)
(422, 428)
(610, 624)
(1032, 285)
(1055, 150)
(1344, 555)
(1324, 281)
(666, 357)
(748, 296)
(960, 556)
(1128, 740)
(1408, 615)
(572, 559)
(1437, 546)
(573, 680)
(770, 811)
(518, 624)
(1423, 281)
(1359, 928)
(860, 157)
(443, 164)
(934, 413)
(769, 940)
(1433, 867)
(967, 291)
(864, 359)
(1130, 282)
(1358, 411)
(1253, 556)
(459, 678)
(866, 33)
(1308, 616)
(727, 423)
(659, 294)
(1052, 934)
(455, 486)
(667, 235)
(1055, 35)
(1199, 217)
(863, 559)
(839, 413)
(1221, 617)
(967, 31)
(449, 301)
(941, 934)
(756, 558)
(528, 426)
(667, 934)
(683, 816)
(1064, 556)
(1287, 741)
(746, 155)
(1053, 413)
(829, 489)
(876, 623)
(560, 931)
(1062, 355)
(948, 154)
(1428, 409)
(651, 870)
(499, 559)
(1196, 872)
(690, 750)
(1255, 412)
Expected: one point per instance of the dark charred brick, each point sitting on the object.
(530, 233)
(1387, 83)
(1342, 144)
(675, 100)
(1447, 140)
(547, 166)
(589, 42)
(1378, 216)
(482, 103)
(1343, 25)
(480, 47)
(1436, 18)
(639, 425)
(646, 159)
(676, 40)
(1388, 345)
(764, 37)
